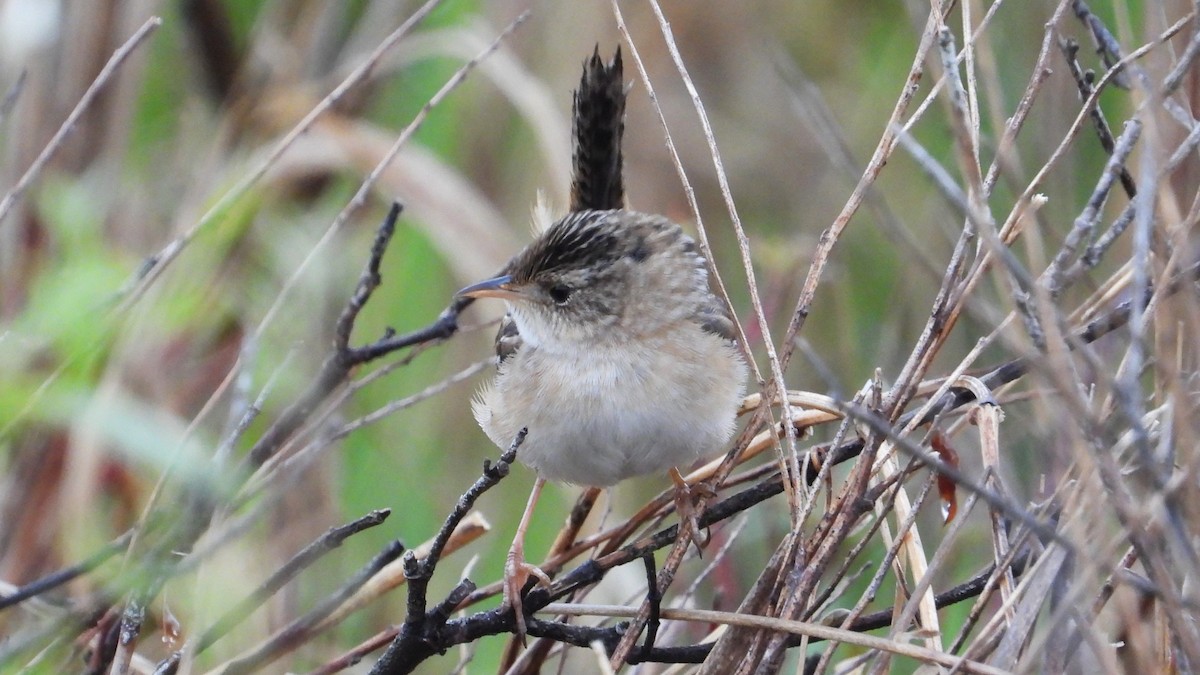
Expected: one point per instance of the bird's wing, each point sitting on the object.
(508, 338)
(714, 318)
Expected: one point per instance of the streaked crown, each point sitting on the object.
(599, 271)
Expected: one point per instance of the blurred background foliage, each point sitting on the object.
(102, 390)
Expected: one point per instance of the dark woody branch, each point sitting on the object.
(412, 648)
(343, 359)
(427, 637)
(422, 630)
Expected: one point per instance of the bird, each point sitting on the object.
(614, 354)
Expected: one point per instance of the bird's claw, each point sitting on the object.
(685, 506)
(516, 575)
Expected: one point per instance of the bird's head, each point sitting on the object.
(600, 277)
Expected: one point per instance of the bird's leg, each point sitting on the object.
(685, 506)
(516, 570)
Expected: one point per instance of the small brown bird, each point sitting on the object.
(614, 354)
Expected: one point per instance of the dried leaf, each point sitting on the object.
(946, 487)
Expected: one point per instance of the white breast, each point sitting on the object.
(615, 412)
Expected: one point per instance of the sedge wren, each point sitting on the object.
(615, 354)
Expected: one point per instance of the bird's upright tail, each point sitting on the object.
(597, 125)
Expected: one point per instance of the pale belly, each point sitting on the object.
(644, 413)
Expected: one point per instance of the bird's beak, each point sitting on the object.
(497, 287)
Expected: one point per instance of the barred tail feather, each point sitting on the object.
(597, 126)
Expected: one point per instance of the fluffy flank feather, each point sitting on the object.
(479, 406)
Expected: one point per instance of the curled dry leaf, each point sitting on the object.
(170, 628)
(945, 484)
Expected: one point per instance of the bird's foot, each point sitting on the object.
(516, 575)
(685, 505)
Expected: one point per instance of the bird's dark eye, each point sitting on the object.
(560, 293)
